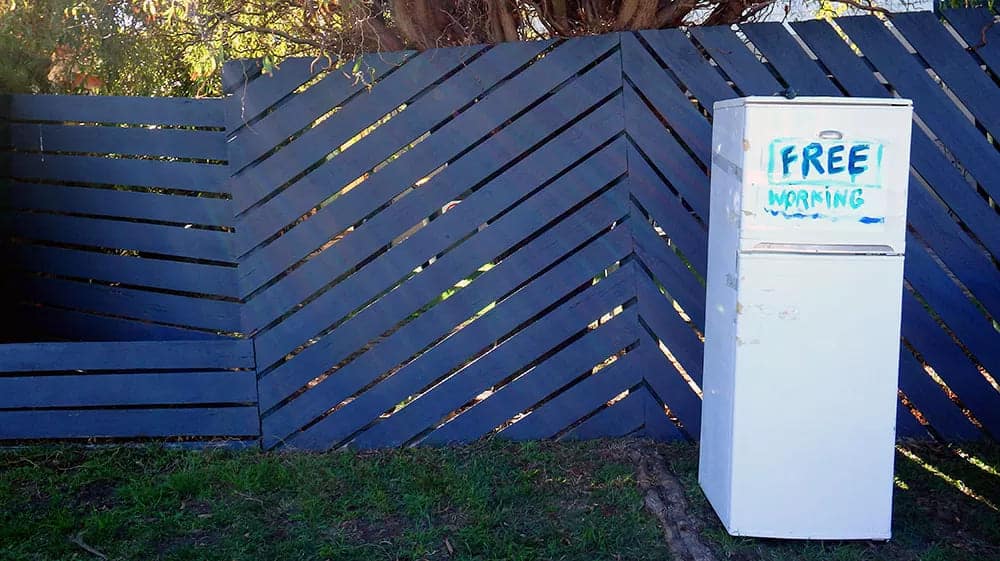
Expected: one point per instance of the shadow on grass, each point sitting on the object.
(944, 509)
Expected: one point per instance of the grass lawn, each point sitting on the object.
(944, 509)
(487, 501)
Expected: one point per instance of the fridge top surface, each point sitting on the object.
(813, 100)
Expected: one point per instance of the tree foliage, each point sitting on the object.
(175, 47)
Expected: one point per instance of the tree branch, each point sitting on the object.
(867, 7)
(269, 31)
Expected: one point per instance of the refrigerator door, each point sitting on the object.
(827, 174)
(817, 350)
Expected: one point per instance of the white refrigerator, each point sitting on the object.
(804, 288)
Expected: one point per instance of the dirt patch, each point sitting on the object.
(360, 530)
(197, 508)
(98, 495)
(664, 497)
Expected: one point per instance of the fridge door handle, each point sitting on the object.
(824, 248)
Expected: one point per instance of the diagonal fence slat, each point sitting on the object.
(365, 311)
(542, 382)
(516, 353)
(450, 183)
(419, 116)
(975, 26)
(942, 116)
(251, 142)
(315, 144)
(800, 72)
(976, 90)
(486, 241)
(724, 47)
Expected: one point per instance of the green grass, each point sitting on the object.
(487, 501)
(944, 509)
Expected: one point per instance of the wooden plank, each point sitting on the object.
(663, 378)
(522, 305)
(669, 271)
(637, 415)
(736, 60)
(955, 191)
(168, 111)
(134, 141)
(959, 314)
(133, 423)
(237, 73)
(653, 142)
(208, 211)
(90, 390)
(550, 247)
(459, 176)
(515, 353)
(942, 414)
(930, 101)
(526, 391)
(544, 162)
(394, 307)
(579, 400)
(257, 182)
(669, 213)
(687, 63)
(960, 72)
(471, 126)
(202, 313)
(189, 176)
(965, 259)
(138, 271)
(144, 355)
(975, 26)
(569, 190)
(642, 70)
(192, 243)
(60, 324)
(388, 138)
(622, 419)
(846, 66)
(669, 328)
(297, 113)
(800, 72)
(951, 364)
(260, 94)
(657, 425)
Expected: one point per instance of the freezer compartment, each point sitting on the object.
(825, 173)
(817, 347)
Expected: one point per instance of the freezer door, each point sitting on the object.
(817, 350)
(825, 174)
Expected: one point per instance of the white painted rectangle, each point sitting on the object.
(823, 174)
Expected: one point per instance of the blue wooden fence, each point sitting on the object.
(505, 240)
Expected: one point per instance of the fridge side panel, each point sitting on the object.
(715, 466)
(816, 378)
